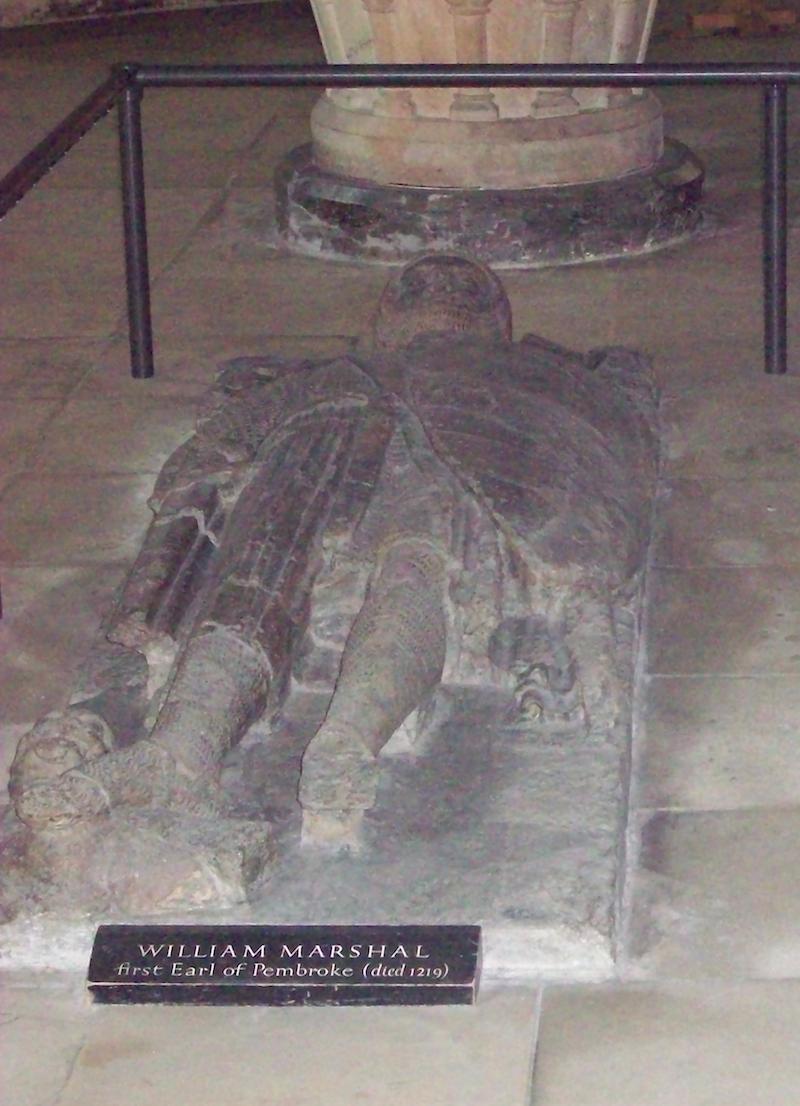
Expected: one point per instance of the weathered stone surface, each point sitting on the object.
(671, 1043)
(714, 894)
(430, 551)
(518, 176)
(531, 150)
(485, 137)
(134, 862)
(324, 214)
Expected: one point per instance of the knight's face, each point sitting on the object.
(450, 281)
(442, 293)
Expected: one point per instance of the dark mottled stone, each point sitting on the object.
(326, 215)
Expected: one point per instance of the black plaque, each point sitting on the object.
(286, 965)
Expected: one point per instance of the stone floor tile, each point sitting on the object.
(41, 1034)
(65, 254)
(748, 431)
(213, 164)
(187, 366)
(16, 139)
(716, 894)
(50, 617)
(713, 743)
(233, 116)
(41, 304)
(286, 297)
(205, 157)
(669, 1045)
(728, 522)
(735, 621)
(440, 1056)
(574, 306)
(668, 295)
(287, 130)
(682, 364)
(51, 519)
(77, 235)
(101, 435)
(21, 427)
(47, 369)
(247, 229)
(40, 97)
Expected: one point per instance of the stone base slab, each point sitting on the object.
(519, 834)
(321, 214)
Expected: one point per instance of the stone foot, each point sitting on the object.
(141, 775)
(333, 830)
(337, 786)
(62, 740)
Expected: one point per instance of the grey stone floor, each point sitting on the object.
(706, 1009)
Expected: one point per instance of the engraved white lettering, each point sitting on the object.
(154, 950)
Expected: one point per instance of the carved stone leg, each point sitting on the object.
(220, 686)
(392, 661)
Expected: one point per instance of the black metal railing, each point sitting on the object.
(127, 83)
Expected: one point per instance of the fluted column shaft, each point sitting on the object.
(558, 31)
(382, 15)
(469, 28)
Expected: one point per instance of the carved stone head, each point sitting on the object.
(442, 293)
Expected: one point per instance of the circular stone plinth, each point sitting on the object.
(443, 152)
(322, 214)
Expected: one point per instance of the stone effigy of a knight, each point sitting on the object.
(446, 510)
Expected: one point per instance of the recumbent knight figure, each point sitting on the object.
(447, 510)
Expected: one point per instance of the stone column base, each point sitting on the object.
(420, 151)
(322, 214)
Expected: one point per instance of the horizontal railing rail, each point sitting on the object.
(432, 76)
(127, 82)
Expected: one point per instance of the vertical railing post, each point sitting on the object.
(137, 269)
(774, 227)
